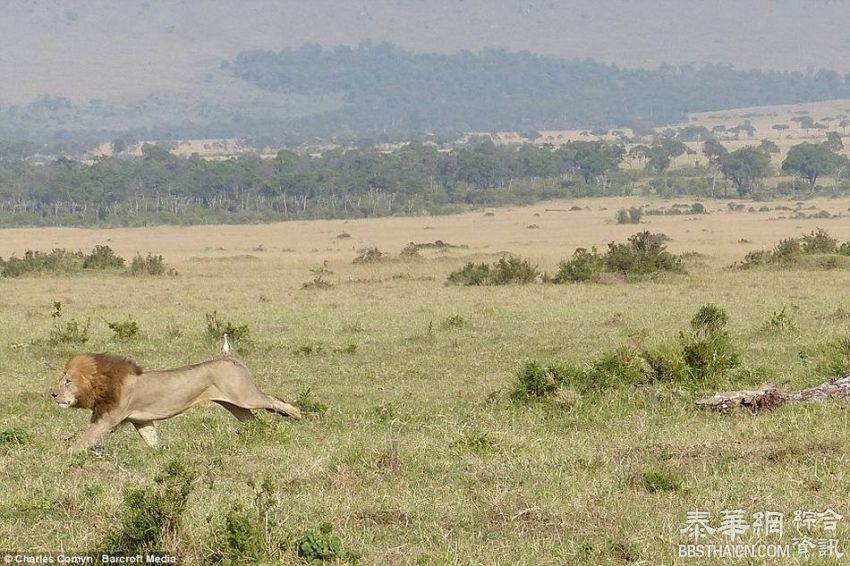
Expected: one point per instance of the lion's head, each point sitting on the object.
(93, 381)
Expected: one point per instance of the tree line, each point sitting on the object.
(160, 187)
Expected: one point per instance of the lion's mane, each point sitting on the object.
(99, 379)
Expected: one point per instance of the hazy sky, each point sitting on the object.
(124, 48)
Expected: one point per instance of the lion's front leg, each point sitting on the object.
(148, 433)
(93, 436)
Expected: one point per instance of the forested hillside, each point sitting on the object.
(388, 89)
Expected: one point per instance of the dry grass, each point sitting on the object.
(411, 462)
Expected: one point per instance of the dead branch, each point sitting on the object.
(767, 397)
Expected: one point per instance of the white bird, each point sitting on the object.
(226, 348)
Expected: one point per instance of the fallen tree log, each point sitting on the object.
(767, 397)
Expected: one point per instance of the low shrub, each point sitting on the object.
(506, 271)
(453, 321)
(152, 516)
(102, 257)
(666, 363)
(536, 381)
(307, 402)
(780, 322)
(217, 328)
(790, 251)
(623, 366)
(320, 545)
(585, 266)
(243, 536)
(707, 350)
(124, 329)
(72, 332)
(654, 480)
(818, 242)
(643, 254)
(629, 216)
(317, 282)
(702, 354)
(37, 263)
(14, 436)
(150, 265)
(834, 358)
(369, 255)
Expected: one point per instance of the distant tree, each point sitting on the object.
(810, 161)
(768, 146)
(593, 160)
(662, 152)
(833, 142)
(843, 124)
(693, 133)
(782, 127)
(714, 151)
(745, 167)
(746, 128)
(639, 152)
(806, 122)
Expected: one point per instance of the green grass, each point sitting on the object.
(413, 450)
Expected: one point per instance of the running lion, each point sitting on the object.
(117, 391)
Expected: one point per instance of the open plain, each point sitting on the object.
(420, 456)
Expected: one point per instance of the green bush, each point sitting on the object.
(834, 358)
(791, 251)
(709, 318)
(643, 254)
(152, 516)
(506, 271)
(102, 257)
(72, 332)
(584, 266)
(471, 274)
(124, 329)
(818, 242)
(369, 255)
(623, 366)
(535, 381)
(243, 536)
(707, 350)
(36, 262)
(14, 435)
(780, 322)
(307, 402)
(630, 216)
(453, 321)
(217, 328)
(150, 265)
(317, 282)
(666, 363)
(660, 479)
(320, 545)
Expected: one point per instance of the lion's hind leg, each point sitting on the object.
(246, 395)
(283, 408)
(240, 413)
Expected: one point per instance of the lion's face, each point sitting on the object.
(67, 391)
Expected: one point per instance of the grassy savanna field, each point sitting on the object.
(421, 457)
